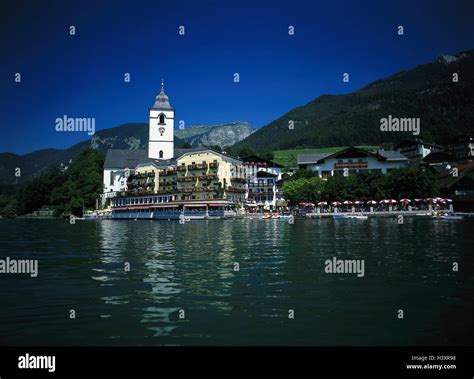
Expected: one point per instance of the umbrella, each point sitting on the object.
(393, 201)
(405, 201)
(448, 200)
(384, 201)
(347, 202)
(418, 200)
(322, 203)
(358, 202)
(335, 203)
(371, 202)
(430, 200)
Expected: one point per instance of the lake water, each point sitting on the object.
(190, 267)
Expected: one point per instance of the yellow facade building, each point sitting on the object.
(199, 174)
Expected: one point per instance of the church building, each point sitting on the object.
(145, 180)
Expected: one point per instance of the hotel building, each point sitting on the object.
(263, 181)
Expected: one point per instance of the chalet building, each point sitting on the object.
(351, 160)
(417, 149)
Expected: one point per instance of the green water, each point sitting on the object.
(190, 267)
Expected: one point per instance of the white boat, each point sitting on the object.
(451, 217)
(424, 215)
(355, 217)
(446, 216)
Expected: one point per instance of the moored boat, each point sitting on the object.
(446, 216)
(171, 211)
(349, 217)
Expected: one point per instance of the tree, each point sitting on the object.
(299, 174)
(82, 186)
(410, 183)
(336, 188)
(366, 185)
(38, 191)
(303, 189)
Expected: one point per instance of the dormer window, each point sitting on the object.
(162, 118)
(161, 154)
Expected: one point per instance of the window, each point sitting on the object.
(160, 154)
(162, 118)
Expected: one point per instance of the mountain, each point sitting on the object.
(221, 134)
(131, 136)
(445, 109)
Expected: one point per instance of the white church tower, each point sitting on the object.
(161, 129)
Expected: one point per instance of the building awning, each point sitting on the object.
(165, 206)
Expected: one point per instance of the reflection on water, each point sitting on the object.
(188, 271)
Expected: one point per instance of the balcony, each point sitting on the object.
(239, 180)
(168, 172)
(186, 178)
(168, 182)
(208, 177)
(166, 191)
(199, 166)
(181, 168)
(196, 189)
(184, 190)
(139, 192)
(236, 189)
(261, 185)
(263, 193)
(213, 165)
(136, 176)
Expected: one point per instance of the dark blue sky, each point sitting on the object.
(82, 75)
